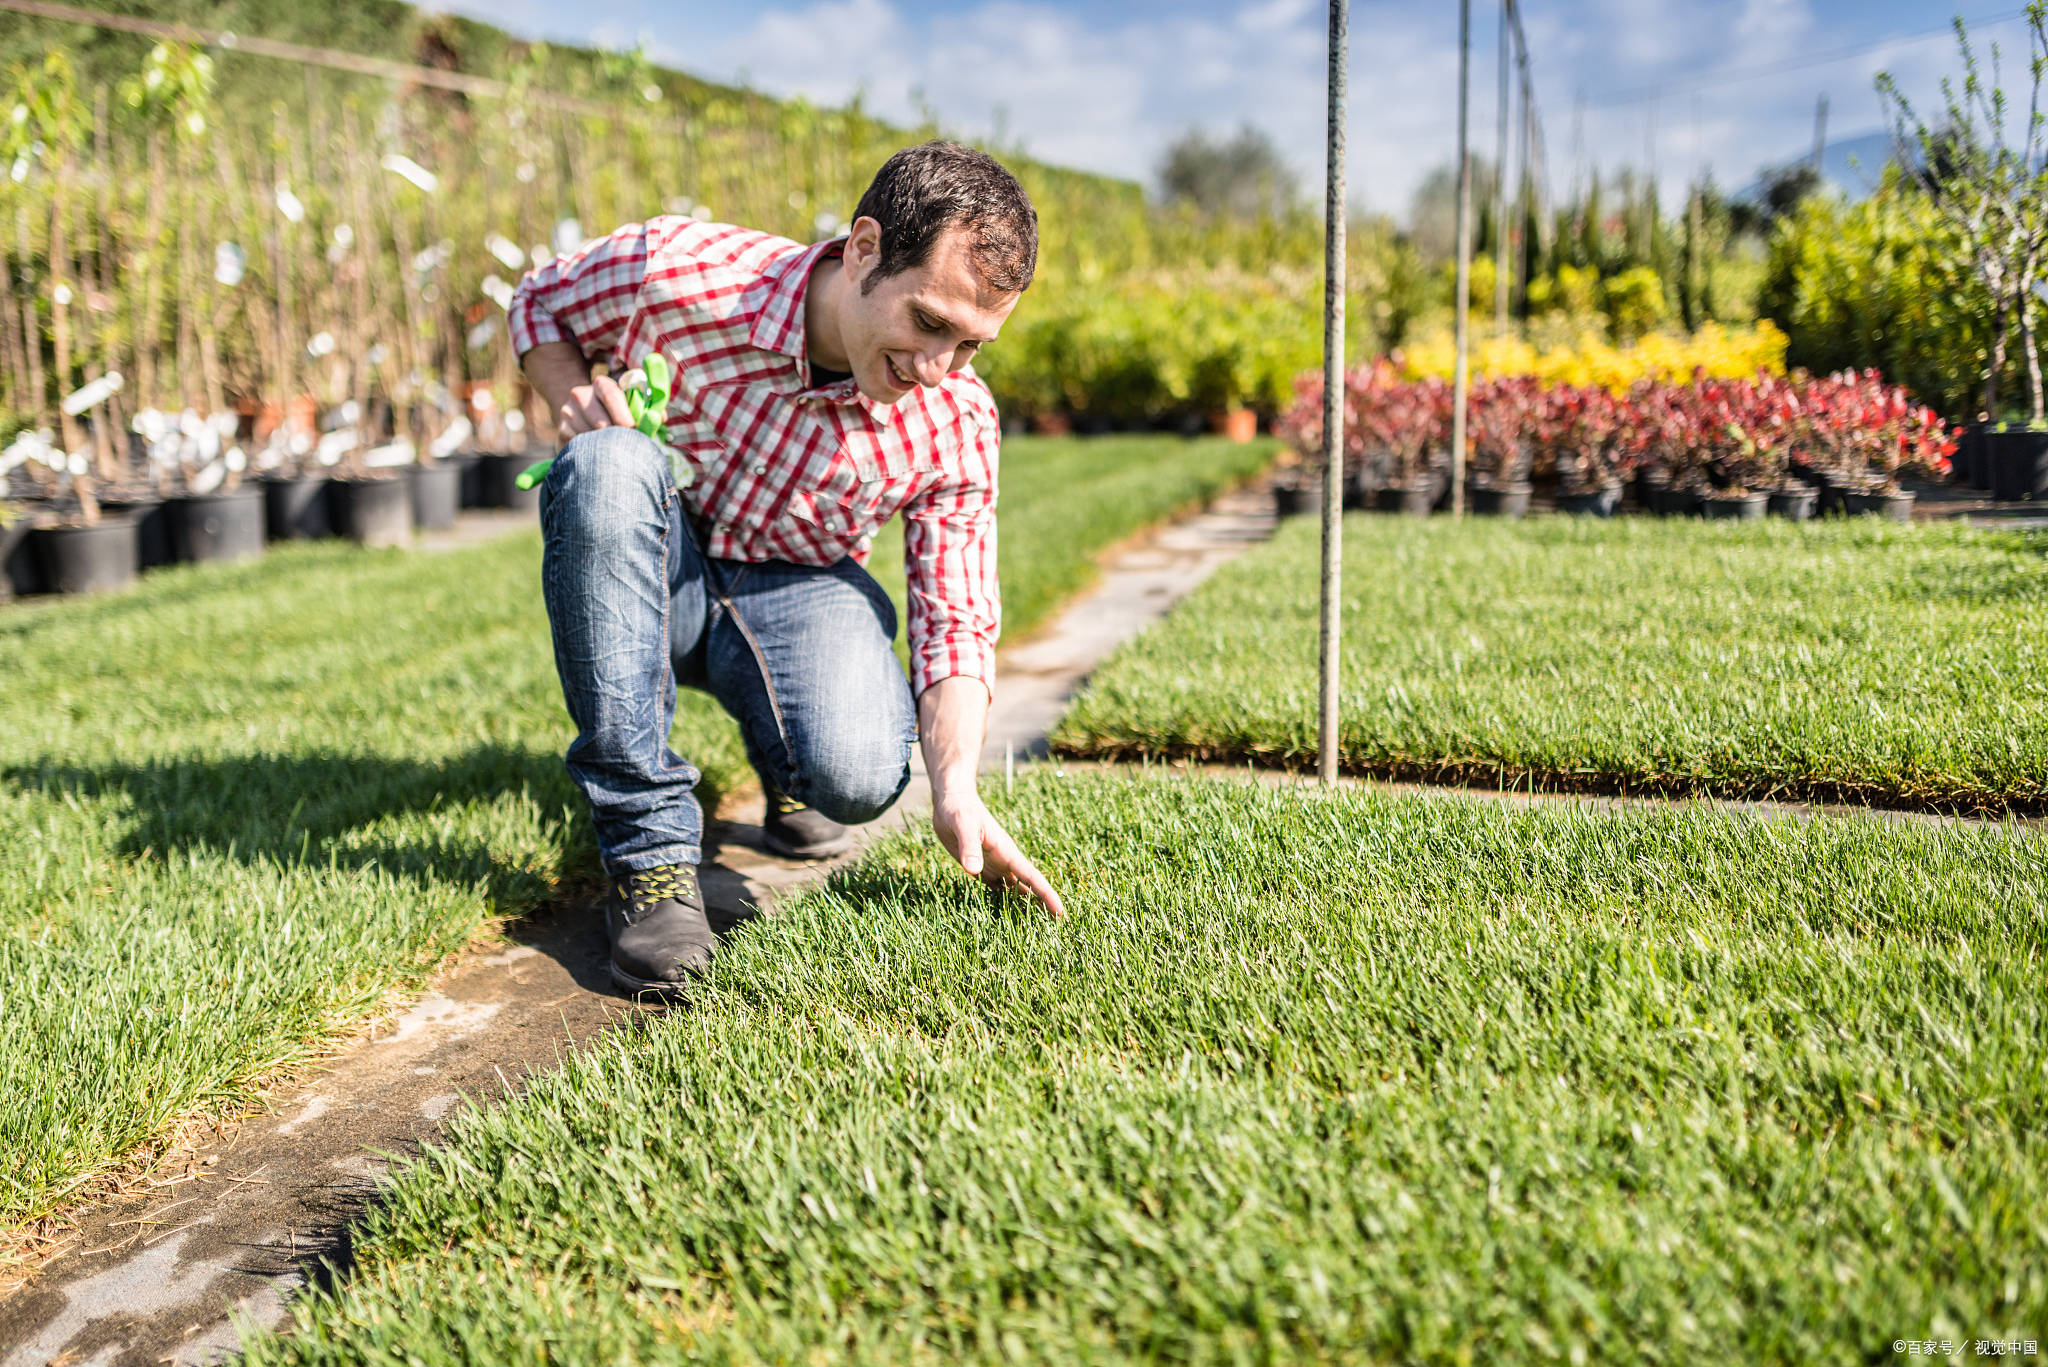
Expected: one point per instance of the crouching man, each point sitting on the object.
(818, 391)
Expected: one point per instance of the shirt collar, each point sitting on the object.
(779, 326)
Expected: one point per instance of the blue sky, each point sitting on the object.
(1726, 84)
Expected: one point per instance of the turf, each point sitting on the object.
(1852, 661)
(1334, 1078)
(241, 806)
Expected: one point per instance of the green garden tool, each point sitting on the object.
(646, 399)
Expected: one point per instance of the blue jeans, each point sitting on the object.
(801, 656)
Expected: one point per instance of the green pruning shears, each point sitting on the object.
(646, 400)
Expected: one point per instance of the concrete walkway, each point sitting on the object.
(238, 1224)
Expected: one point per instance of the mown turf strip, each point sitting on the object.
(240, 806)
(1854, 661)
(1333, 1078)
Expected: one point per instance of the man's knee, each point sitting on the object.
(856, 783)
(605, 479)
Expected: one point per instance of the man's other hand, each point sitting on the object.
(974, 837)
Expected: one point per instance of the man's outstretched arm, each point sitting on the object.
(952, 718)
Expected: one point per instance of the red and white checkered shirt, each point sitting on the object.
(772, 468)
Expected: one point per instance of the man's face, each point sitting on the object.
(917, 326)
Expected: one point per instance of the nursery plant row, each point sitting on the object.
(1852, 660)
(51, 545)
(1728, 448)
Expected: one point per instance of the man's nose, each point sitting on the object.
(932, 367)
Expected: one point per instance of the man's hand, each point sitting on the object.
(972, 836)
(561, 373)
(952, 717)
(601, 403)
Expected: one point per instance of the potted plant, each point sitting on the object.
(19, 573)
(217, 519)
(1992, 193)
(1593, 449)
(2019, 467)
(1748, 422)
(85, 549)
(1502, 426)
(1411, 422)
(297, 500)
(1298, 483)
(1902, 437)
(1667, 421)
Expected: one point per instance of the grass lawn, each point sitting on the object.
(1855, 661)
(240, 806)
(1335, 1078)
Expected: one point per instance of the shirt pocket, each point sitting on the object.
(852, 511)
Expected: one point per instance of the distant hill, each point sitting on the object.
(1852, 167)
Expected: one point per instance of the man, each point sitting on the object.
(818, 392)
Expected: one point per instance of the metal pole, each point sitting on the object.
(1333, 396)
(1501, 269)
(1463, 386)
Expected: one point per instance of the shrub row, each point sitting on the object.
(1726, 436)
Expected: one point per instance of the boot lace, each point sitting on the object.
(671, 882)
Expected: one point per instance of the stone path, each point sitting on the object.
(239, 1224)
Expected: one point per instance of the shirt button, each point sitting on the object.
(759, 467)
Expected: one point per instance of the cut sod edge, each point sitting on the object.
(1493, 776)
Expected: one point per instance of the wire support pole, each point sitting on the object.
(1333, 399)
(1463, 386)
(1502, 271)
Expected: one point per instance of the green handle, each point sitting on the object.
(646, 401)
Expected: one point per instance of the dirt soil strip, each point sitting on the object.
(154, 1277)
(1169, 770)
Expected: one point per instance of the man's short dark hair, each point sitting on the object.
(924, 190)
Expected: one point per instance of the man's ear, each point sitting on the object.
(863, 248)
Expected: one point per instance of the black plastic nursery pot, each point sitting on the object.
(1504, 500)
(1895, 507)
(152, 519)
(1590, 502)
(297, 509)
(87, 559)
(1967, 468)
(1734, 508)
(436, 494)
(499, 476)
(218, 527)
(1413, 500)
(374, 510)
(1297, 500)
(2019, 464)
(471, 464)
(20, 574)
(1666, 501)
(1794, 505)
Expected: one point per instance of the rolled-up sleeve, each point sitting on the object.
(584, 297)
(949, 552)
